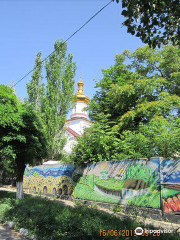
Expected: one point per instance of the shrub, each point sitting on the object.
(4, 208)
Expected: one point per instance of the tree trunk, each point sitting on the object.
(19, 192)
(19, 179)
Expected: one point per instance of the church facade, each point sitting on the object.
(79, 120)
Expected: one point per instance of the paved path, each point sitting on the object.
(7, 234)
(7, 189)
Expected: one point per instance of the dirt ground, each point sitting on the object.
(8, 234)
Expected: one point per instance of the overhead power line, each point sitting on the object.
(64, 42)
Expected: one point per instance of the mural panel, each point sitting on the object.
(141, 183)
(56, 180)
(153, 183)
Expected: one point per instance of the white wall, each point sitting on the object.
(78, 125)
(79, 108)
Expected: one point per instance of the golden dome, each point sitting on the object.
(80, 96)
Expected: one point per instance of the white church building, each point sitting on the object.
(79, 120)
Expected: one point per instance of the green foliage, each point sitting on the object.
(163, 135)
(155, 22)
(52, 100)
(6, 196)
(117, 208)
(52, 220)
(4, 208)
(134, 145)
(137, 105)
(160, 137)
(22, 140)
(95, 146)
(35, 88)
(135, 92)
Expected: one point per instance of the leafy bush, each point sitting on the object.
(4, 194)
(117, 208)
(3, 209)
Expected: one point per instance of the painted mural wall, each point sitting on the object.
(141, 183)
(171, 186)
(49, 179)
(153, 183)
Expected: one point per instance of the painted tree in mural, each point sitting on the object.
(22, 140)
(155, 22)
(138, 103)
(53, 99)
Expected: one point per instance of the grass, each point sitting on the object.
(50, 220)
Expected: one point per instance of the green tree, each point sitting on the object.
(35, 88)
(159, 137)
(156, 22)
(54, 99)
(163, 135)
(135, 145)
(22, 140)
(95, 146)
(138, 103)
(132, 93)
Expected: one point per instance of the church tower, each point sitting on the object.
(81, 102)
(79, 118)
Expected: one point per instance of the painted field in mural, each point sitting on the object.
(133, 183)
(49, 179)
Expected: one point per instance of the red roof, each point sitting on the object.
(82, 114)
(75, 134)
(75, 118)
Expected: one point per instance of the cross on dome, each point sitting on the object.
(80, 96)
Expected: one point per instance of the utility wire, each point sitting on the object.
(65, 41)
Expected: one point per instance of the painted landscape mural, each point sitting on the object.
(153, 183)
(49, 179)
(141, 183)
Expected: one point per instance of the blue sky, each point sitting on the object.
(29, 26)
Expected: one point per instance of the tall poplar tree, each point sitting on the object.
(53, 100)
(60, 71)
(35, 88)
